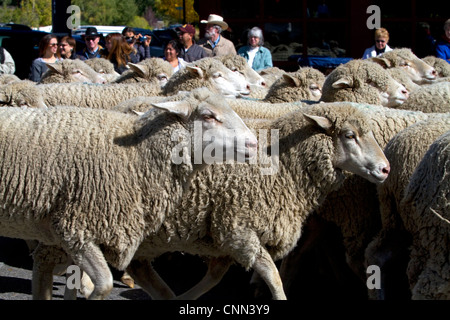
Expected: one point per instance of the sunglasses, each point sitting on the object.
(52, 44)
(380, 41)
(91, 39)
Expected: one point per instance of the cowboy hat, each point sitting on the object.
(215, 19)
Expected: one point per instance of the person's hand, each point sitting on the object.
(147, 42)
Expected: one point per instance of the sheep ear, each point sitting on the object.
(196, 71)
(385, 63)
(180, 108)
(138, 69)
(57, 67)
(295, 82)
(322, 122)
(342, 83)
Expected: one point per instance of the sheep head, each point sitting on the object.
(418, 70)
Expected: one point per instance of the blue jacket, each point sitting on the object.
(263, 57)
(443, 50)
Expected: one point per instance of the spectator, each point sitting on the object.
(258, 57)
(7, 65)
(426, 43)
(172, 55)
(443, 46)
(139, 43)
(213, 42)
(48, 53)
(67, 48)
(190, 51)
(117, 51)
(93, 49)
(381, 44)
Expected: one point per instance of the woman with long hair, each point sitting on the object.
(117, 51)
(48, 53)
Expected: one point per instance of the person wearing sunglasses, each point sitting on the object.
(380, 46)
(48, 53)
(91, 39)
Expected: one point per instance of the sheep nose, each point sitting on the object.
(405, 92)
(386, 170)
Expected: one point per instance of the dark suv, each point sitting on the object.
(23, 44)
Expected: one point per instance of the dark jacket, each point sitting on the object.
(195, 52)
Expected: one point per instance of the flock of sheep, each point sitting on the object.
(89, 175)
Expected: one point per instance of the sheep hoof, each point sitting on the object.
(127, 280)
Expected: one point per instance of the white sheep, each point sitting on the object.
(104, 67)
(354, 207)
(239, 64)
(22, 93)
(96, 96)
(253, 214)
(6, 78)
(304, 84)
(441, 66)
(363, 81)
(211, 73)
(418, 70)
(389, 249)
(430, 98)
(114, 177)
(69, 70)
(153, 70)
(427, 200)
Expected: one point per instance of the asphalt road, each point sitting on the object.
(179, 271)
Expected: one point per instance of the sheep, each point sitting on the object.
(239, 64)
(304, 84)
(354, 208)
(441, 66)
(419, 71)
(22, 93)
(95, 96)
(207, 72)
(253, 216)
(271, 75)
(430, 98)
(153, 70)
(404, 151)
(6, 78)
(69, 70)
(363, 81)
(426, 200)
(403, 78)
(113, 176)
(104, 67)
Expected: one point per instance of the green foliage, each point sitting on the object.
(135, 13)
(33, 13)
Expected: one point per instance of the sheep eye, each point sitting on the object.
(217, 75)
(350, 135)
(314, 88)
(162, 77)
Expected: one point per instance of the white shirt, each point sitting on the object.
(371, 52)
(251, 55)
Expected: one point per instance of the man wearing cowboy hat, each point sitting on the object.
(93, 49)
(213, 43)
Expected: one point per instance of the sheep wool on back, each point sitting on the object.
(86, 172)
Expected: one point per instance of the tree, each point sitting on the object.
(173, 10)
(34, 13)
(106, 12)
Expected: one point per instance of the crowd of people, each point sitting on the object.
(123, 48)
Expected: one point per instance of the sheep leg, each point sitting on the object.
(217, 268)
(45, 259)
(92, 261)
(42, 280)
(148, 279)
(267, 269)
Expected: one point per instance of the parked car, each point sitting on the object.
(23, 44)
